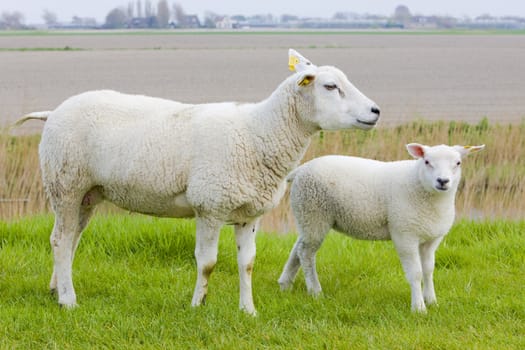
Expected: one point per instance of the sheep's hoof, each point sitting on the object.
(251, 311)
(53, 291)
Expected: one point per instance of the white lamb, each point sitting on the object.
(410, 202)
(219, 162)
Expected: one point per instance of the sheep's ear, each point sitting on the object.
(416, 150)
(297, 62)
(305, 79)
(466, 150)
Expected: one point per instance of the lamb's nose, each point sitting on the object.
(442, 182)
(376, 110)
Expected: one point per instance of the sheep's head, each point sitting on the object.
(440, 166)
(336, 102)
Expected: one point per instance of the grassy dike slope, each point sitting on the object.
(134, 277)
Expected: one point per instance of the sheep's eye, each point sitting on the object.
(458, 163)
(330, 87)
(427, 163)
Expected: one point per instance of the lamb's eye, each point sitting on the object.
(458, 163)
(330, 87)
(427, 163)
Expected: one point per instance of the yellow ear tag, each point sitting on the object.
(467, 147)
(306, 80)
(292, 61)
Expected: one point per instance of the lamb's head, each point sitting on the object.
(439, 167)
(335, 102)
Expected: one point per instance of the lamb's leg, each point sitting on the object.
(427, 252)
(408, 251)
(307, 248)
(207, 239)
(291, 268)
(245, 238)
(62, 239)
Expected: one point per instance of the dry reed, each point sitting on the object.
(493, 180)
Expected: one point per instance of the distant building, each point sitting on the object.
(224, 22)
(190, 21)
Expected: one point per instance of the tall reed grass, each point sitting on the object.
(493, 184)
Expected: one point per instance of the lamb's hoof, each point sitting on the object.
(315, 293)
(68, 306)
(431, 302)
(285, 286)
(419, 310)
(53, 291)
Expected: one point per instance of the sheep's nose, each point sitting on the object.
(442, 182)
(376, 110)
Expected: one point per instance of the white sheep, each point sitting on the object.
(218, 162)
(410, 202)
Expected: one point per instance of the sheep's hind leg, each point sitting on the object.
(290, 268)
(207, 238)
(90, 200)
(245, 238)
(427, 252)
(62, 240)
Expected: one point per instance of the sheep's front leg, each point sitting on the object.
(245, 238)
(207, 238)
(427, 252)
(408, 251)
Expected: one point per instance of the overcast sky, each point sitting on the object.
(66, 9)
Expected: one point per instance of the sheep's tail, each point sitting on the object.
(35, 115)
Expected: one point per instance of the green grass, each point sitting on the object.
(134, 279)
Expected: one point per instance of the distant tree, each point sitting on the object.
(131, 8)
(11, 20)
(178, 14)
(116, 18)
(239, 18)
(148, 9)
(288, 18)
(402, 15)
(210, 19)
(341, 16)
(163, 13)
(446, 22)
(139, 8)
(50, 18)
(77, 21)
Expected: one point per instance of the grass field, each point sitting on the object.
(134, 277)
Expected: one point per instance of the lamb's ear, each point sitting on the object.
(466, 150)
(297, 62)
(305, 79)
(416, 150)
